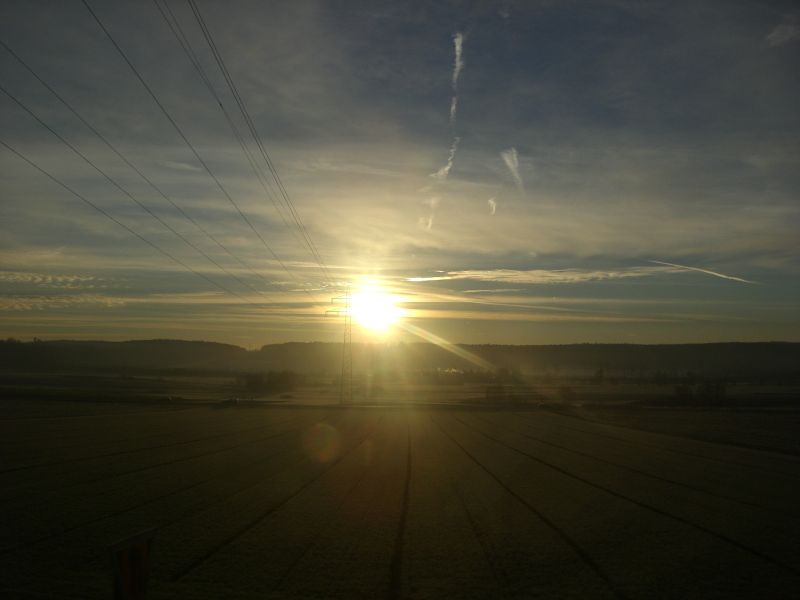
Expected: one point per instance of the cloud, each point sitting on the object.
(458, 64)
(785, 32)
(546, 276)
(328, 165)
(492, 206)
(180, 166)
(453, 107)
(49, 281)
(511, 159)
(441, 174)
(492, 291)
(26, 303)
(433, 204)
(706, 271)
(426, 222)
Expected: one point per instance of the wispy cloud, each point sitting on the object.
(545, 276)
(27, 303)
(441, 174)
(785, 32)
(511, 159)
(427, 222)
(181, 166)
(699, 270)
(48, 280)
(453, 108)
(492, 291)
(492, 205)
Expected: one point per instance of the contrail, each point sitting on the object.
(512, 162)
(433, 204)
(441, 174)
(458, 65)
(426, 222)
(706, 271)
(492, 206)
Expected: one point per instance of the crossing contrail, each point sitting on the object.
(699, 270)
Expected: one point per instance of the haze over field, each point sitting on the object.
(507, 172)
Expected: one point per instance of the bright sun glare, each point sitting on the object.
(374, 309)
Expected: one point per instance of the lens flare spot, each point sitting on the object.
(366, 457)
(322, 442)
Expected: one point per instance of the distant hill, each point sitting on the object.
(134, 355)
(731, 359)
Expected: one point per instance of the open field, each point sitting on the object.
(330, 502)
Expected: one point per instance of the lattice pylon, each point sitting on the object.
(346, 383)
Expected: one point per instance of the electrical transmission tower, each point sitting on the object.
(346, 381)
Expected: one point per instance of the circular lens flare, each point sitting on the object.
(322, 442)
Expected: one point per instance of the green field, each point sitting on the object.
(331, 502)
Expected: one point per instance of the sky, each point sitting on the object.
(510, 172)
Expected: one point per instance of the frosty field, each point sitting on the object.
(369, 502)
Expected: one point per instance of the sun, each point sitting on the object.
(374, 309)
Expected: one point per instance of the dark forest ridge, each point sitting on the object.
(732, 359)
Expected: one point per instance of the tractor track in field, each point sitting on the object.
(661, 512)
(661, 448)
(28, 486)
(33, 595)
(396, 565)
(252, 523)
(783, 453)
(224, 498)
(501, 580)
(26, 545)
(563, 535)
(78, 459)
(638, 471)
(100, 415)
(319, 533)
(193, 456)
(115, 440)
(76, 484)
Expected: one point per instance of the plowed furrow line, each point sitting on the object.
(193, 565)
(699, 527)
(152, 500)
(563, 535)
(647, 474)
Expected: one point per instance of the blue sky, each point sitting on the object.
(514, 172)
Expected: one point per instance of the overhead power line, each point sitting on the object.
(254, 132)
(113, 182)
(132, 166)
(123, 225)
(177, 31)
(180, 132)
